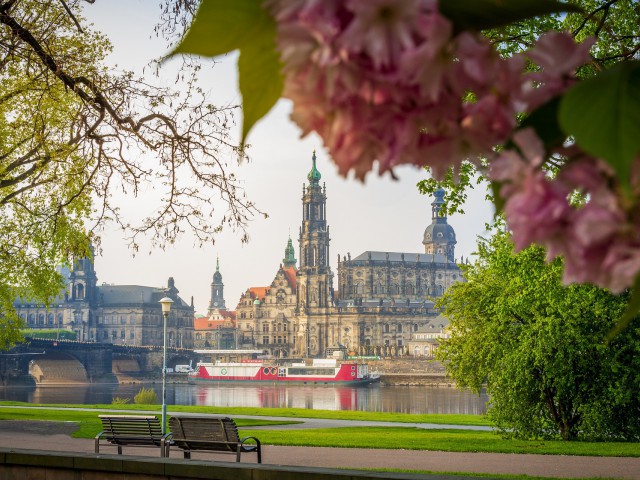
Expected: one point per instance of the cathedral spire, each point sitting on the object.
(217, 290)
(289, 259)
(436, 207)
(314, 175)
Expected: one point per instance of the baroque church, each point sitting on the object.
(383, 300)
(118, 314)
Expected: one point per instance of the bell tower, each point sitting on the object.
(314, 277)
(217, 291)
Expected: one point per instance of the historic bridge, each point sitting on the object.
(66, 361)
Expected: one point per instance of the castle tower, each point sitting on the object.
(439, 237)
(217, 291)
(289, 260)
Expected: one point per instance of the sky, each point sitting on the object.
(381, 214)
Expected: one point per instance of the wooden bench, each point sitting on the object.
(214, 434)
(133, 430)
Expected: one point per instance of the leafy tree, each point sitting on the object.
(541, 348)
(73, 133)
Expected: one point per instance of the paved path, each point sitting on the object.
(24, 436)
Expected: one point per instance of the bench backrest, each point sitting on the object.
(123, 427)
(204, 433)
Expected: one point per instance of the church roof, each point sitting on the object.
(132, 294)
(205, 323)
(258, 292)
(399, 257)
(290, 274)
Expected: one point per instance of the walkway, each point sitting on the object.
(55, 436)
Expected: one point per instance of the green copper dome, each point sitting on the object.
(314, 175)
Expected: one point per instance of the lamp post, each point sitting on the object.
(166, 308)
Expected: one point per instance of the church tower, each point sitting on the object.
(82, 296)
(439, 237)
(314, 278)
(289, 260)
(83, 280)
(217, 291)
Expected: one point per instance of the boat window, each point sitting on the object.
(311, 371)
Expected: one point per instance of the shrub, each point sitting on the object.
(120, 401)
(146, 396)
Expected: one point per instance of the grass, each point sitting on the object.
(453, 440)
(88, 423)
(448, 440)
(439, 419)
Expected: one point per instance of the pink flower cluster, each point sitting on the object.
(599, 239)
(390, 81)
(387, 80)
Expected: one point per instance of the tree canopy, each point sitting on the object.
(76, 133)
(541, 349)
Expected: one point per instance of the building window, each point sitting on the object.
(386, 328)
(132, 335)
(265, 340)
(399, 328)
(265, 327)
(284, 327)
(105, 335)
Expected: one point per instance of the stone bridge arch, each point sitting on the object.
(57, 368)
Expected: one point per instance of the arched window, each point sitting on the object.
(50, 318)
(386, 328)
(416, 351)
(32, 318)
(399, 328)
(79, 291)
(41, 319)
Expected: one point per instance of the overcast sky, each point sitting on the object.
(382, 214)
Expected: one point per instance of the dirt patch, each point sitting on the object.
(40, 427)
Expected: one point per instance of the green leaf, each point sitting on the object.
(544, 120)
(221, 26)
(261, 82)
(485, 14)
(603, 115)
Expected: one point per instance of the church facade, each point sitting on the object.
(118, 314)
(383, 301)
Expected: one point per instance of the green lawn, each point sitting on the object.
(453, 440)
(440, 419)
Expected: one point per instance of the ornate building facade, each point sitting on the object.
(119, 314)
(384, 299)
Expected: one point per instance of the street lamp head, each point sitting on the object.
(166, 305)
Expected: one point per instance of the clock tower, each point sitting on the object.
(217, 291)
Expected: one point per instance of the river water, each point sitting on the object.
(372, 398)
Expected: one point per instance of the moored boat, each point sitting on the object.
(314, 372)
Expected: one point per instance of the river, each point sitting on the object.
(372, 398)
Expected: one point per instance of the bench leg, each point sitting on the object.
(97, 447)
(259, 454)
(119, 449)
(239, 451)
(187, 454)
